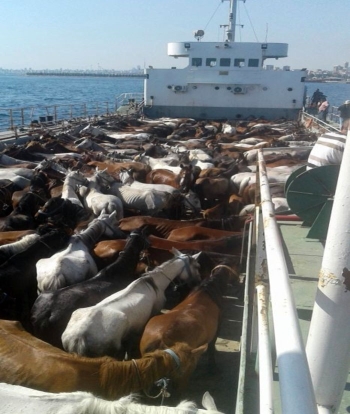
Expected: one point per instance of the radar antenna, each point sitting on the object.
(198, 34)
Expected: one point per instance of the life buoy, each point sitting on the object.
(178, 88)
(238, 89)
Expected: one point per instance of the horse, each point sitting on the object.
(7, 189)
(7, 237)
(143, 200)
(182, 181)
(39, 184)
(10, 249)
(226, 245)
(51, 311)
(189, 202)
(113, 168)
(23, 215)
(161, 227)
(15, 397)
(195, 321)
(72, 180)
(98, 202)
(89, 331)
(30, 362)
(75, 263)
(63, 213)
(210, 190)
(199, 233)
(18, 273)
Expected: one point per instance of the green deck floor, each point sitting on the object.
(304, 259)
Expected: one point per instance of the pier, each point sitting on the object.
(90, 74)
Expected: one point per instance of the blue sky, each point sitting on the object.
(121, 34)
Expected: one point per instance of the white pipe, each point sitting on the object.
(295, 381)
(265, 360)
(328, 343)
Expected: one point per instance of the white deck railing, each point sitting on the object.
(296, 390)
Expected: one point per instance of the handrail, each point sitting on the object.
(297, 395)
(22, 117)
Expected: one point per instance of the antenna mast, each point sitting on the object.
(231, 30)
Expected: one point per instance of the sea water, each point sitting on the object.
(21, 91)
(47, 91)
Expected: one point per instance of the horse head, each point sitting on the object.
(192, 203)
(190, 272)
(126, 176)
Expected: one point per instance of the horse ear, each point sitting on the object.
(175, 252)
(200, 350)
(197, 255)
(113, 214)
(208, 402)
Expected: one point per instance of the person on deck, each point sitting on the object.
(316, 97)
(323, 109)
(344, 110)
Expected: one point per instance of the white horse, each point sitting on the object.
(147, 201)
(190, 200)
(7, 160)
(14, 174)
(101, 329)
(16, 399)
(98, 202)
(18, 246)
(172, 160)
(73, 180)
(75, 263)
(89, 144)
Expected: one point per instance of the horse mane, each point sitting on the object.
(130, 405)
(215, 285)
(120, 377)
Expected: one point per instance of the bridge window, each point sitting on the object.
(196, 62)
(210, 62)
(225, 62)
(253, 63)
(239, 62)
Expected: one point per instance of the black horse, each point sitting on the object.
(61, 212)
(52, 310)
(18, 273)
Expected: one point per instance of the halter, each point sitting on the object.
(79, 180)
(163, 382)
(105, 180)
(62, 201)
(189, 202)
(225, 267)
(5, 192)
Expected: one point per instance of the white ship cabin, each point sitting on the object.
(225, 80)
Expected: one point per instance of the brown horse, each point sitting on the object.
(183, 181)
(199, 233)
(195, 321)
(30, 362)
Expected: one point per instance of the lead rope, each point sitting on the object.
(162, 382)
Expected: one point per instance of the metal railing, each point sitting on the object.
(129, 102)
(333, 116)
(278, 339)
(17, 118)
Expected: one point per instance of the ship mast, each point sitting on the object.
(231, 29)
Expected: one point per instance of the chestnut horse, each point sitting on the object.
(195, 321)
